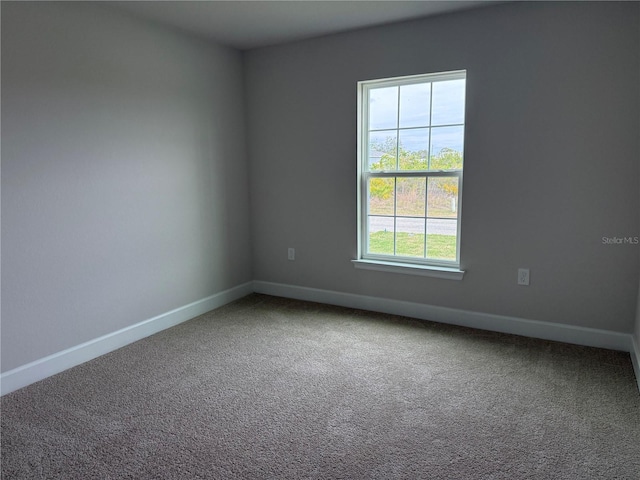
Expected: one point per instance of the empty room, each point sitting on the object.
(320, 240)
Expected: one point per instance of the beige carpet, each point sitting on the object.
(268, 388)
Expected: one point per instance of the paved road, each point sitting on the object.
(413, 225)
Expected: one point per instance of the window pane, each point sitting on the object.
(381, 196)
(410, 193)
(446, 148)
(414, 149)
(381, 235)
(415, 105)
(382, 150)
(442, 197)
(448, 102)
(441, 239)
(410, 237)
(383, 108)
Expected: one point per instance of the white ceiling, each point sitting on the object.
(247, 24)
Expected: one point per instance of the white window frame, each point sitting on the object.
(449, 269)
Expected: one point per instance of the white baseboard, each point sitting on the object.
(498, 323)
(635, 359)
(58, 362)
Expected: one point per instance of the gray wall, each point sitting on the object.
(124, 171)
(637, 324)
(551, 158)
(124, 175)
(637, 327)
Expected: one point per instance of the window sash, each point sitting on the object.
(364, 223)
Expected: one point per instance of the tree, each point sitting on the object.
(381, 188)
(445, 159)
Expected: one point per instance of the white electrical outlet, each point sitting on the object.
(291, 254)
(523, 276)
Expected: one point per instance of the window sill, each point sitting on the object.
(447, 273)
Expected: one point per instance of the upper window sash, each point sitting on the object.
(365, 88)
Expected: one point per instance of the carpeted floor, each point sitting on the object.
(268, 388)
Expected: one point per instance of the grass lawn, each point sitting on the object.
(412, 244)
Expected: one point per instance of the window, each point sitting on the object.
(411, 146)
